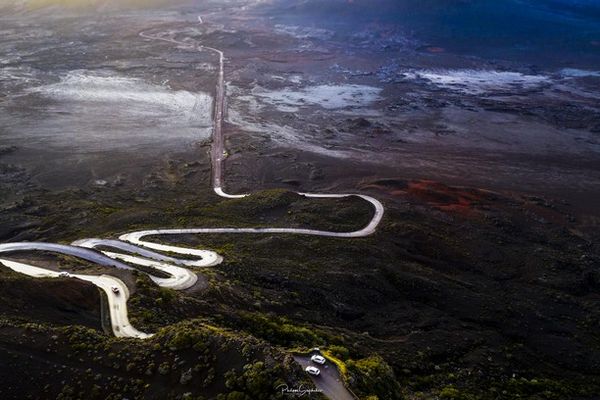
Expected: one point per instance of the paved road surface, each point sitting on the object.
(117, 303)
(329, 381)
(132, 249)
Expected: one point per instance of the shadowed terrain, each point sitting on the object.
(475, 123)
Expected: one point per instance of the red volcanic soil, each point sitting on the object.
(436, 194)
(445, 197)
(434, 49)
(470, 202)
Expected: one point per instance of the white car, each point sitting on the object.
(115, 290)
(313, 370)
(318, 359)
(64, 275)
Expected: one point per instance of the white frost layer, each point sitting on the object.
(578, 73)
(479, 81)
(304, 32)
(16, 75)
(331, 97)
(281, 134)
(246, 111)
(136, 96)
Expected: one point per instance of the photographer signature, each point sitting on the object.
(297, 391)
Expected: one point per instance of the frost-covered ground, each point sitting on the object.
(109, 110)
(479, 81)
(313, 81)
(250, 113)
(86, 99)
(304, 32)
(340, 98)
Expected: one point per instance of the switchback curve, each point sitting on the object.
(132, 249)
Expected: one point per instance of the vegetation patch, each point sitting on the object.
(373, 378)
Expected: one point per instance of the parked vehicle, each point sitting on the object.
(318, 359)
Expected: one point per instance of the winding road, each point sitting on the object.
(132, 249)
(329, 381)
